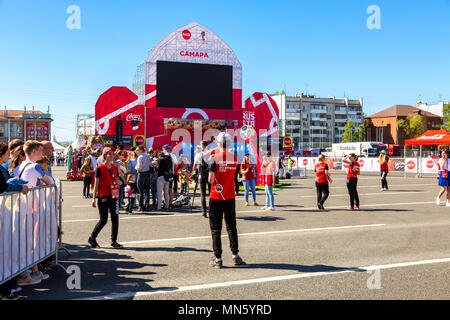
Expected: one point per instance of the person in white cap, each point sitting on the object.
(222, 170)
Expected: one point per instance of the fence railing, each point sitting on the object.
(30, 229)
(417, 165)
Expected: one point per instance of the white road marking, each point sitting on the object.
(256, 233)
(147, 216)
(262, 280)
(391, 185)
(365, 194)
(279, 210)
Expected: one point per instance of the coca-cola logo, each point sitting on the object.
(186, 34)
(435, 137)
(430, 164)
(133, 117)
(361, 163)
(287, 141)
(139, 140)
(134, 120)
(411, 165)
(305, 162)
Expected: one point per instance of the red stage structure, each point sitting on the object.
(191, 80)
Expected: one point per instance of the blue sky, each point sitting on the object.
(319, 47)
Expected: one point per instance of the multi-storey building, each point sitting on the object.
(24, 125)
(316, 122)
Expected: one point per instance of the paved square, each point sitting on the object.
(395, 247)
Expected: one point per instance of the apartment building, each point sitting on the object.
(315, 122)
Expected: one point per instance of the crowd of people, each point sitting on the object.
(25, 165)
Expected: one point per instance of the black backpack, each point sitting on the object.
(168, 173)
(203, 169)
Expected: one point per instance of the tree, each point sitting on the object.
(348, 134)
(359, 134)
(413, 126)
(446, 117)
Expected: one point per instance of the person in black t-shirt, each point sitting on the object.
(165, 174)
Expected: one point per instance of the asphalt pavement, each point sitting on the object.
(395, 247)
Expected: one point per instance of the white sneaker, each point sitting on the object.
(438, 201)
(270, 208)
(41, 276)
(447, 204)
(264, 208)
(28, 281)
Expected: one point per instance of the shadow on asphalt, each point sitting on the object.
(174, 249)
(297, 267)
(263, 218)
(102, 273)
(350, 211)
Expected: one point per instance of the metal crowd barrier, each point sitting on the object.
(296, 173)
(30, 229)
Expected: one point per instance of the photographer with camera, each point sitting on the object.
(201, 173)
(352, 180)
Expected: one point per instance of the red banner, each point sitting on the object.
(37, 130)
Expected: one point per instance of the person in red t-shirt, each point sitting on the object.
(383, 160)
(268, 170)
(352, 180)
(322, 175)
(106, 189)
(222, 170)
(248, 178)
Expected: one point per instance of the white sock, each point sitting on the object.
(235, 256)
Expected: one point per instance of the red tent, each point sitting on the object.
(430, 138)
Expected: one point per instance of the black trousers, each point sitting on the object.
(322, 192)
(352, 184)
(203, 184)
(104, 205)
(143, 185)
(86, 186)
(384, 183)
(218, 209)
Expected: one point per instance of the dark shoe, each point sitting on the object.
(116, 245)
(93, 243)
(320, 206)
(205, 215)
(238, 261)
(215, 264)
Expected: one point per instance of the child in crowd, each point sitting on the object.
(130, 191)
(86, 171)
(184, 179)
(43, 163)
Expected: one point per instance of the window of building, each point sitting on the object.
(16, 130)
(2, 130)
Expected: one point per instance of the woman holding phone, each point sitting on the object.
(106, 189)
